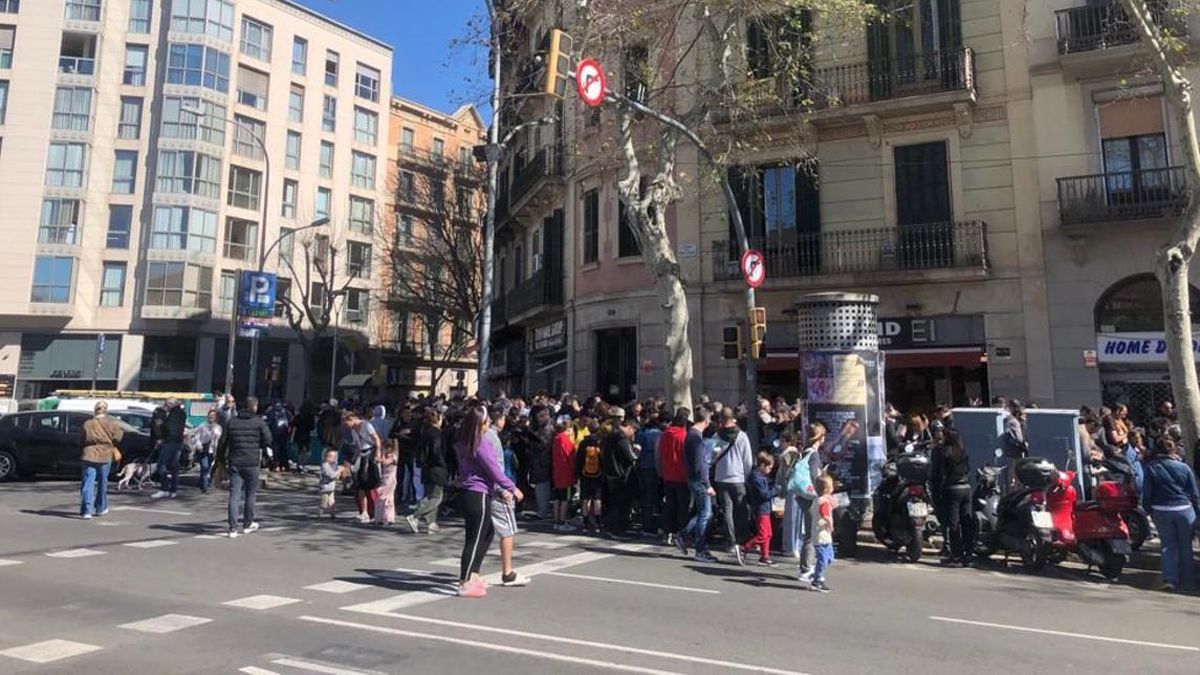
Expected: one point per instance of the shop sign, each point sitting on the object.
(67, 357)
(1135, 347)
(551, 336)
(908, 332)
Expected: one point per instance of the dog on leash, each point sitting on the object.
(136, 472)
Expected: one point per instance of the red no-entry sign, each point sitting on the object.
(589, 79)
(754, 268)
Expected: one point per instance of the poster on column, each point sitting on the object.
(838, 389)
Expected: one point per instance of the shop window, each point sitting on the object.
(1134, 305)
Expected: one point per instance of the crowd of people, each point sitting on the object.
(623, 469)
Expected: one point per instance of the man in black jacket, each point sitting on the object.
(170, 431)
(618, 466)
(245, 437)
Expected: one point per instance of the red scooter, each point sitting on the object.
(1093, 530)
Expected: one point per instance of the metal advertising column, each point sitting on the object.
(841, 378)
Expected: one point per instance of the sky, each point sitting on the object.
(425, 67)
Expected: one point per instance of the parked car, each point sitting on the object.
(50, 443)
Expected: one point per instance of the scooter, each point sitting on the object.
(1093, 530)
(902, 504)
(1017, 522)
(1127, 495)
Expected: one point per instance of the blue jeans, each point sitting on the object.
(93, 494)
(791, 526)
(168, 466)
(542, 492)
(242, 478)
(205, 462)
(824, 560)
(1175, 530)
(697, 527)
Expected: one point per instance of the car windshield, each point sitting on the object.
(126, 427)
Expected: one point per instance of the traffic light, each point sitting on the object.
(558, 63)
(732, 348)
(758, 332)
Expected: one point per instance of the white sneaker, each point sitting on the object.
(253, 527)
(173, 495)
(103, 513)
(517, 579)
(363, 518)
(413, 525)
(160, 494)
(432, 528)
(232, 534)
(805, 577)
(87, 516)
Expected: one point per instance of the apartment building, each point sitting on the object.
(151, 148)
(1110, 184)
(430, 155)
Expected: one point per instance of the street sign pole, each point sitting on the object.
(233, 326)
(99, 362)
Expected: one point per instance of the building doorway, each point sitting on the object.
(616, 364)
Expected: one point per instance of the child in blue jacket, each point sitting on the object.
(760, 491)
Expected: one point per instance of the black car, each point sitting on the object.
(50, 443)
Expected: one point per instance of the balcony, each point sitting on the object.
(1095, 39)
(543, 290)
(499, 312)
(883, 254)
(1130, 195)
(545, 166)
(76, 65)
(424, 157)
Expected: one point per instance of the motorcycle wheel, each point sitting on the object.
(1033, 554)
(1111, 567)
(1139, 527)
(913, 551)
(981, 548)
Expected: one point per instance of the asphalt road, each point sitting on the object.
(152, 588)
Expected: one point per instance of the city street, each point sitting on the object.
(151, 587)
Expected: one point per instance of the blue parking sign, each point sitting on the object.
(257, 302)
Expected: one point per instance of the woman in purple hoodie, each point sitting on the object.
(480, 476)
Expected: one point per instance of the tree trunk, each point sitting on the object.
(1172, 271)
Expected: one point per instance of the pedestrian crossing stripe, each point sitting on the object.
(167, 623)
(74, 553)
(49, 651)
(153, 543)
(261, 602)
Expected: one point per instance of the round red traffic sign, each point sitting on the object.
(754, 268)
(589, 80)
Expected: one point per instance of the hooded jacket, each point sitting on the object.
(671, 465)
(246, 434)
(736, 459)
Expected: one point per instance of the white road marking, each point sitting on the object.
(386, 606)
(49, 651)
(6, 563)
(146, 509)
(261, 602)
(153, 543)
(208, 536)
(251, 670)
(1043, 631)
(548, 545)
(632, 583)
(277, 528)
(312, 667)
(446, 562)
(109, 523)
(75, 553)
(632, 548)
(337, 586)
(167, 623)
(458, 640)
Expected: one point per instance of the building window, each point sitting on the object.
(637, 72)
(775, 43)
(283, 292)
(316, 296)
(358, 259)
(10, 6)
(322, 206)
(225, 292)
(248, 134)
(326, 163)
(3, 100)
(252, 88)
(179, 228)
(320, 248)
(83, 10)
(129, 126)
(139, 16)
(331, 68)
(241, 237)
(406, 187)
(52, 276)
(256, 39)
(178, 122)
(299, 56)
(366, 83)
(464, 157)
(357, 301)
(591, 226)
(362, 170)
(8, 35)
(198, 66)
(366, 126)
(120, 220)
(535, 251)
(362, 215)
(203, 17)
(329, 114)
(439, 148)
(288, 203)
(407, 139)
(245, 186)
(404, 230)
(135, 65)
(292, 152)
(112, 285)
(176, 284)
(124, 172)
(287, 244)
(60, 221)
(72, 109)
(187, 172)
(296, 104)
(65, 164)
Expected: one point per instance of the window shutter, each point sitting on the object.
(879, 55)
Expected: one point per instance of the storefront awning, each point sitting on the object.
(966, 357)
(355, 381)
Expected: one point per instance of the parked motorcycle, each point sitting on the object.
(1093, 530)
(1117, 472)
(902, 505)
(1017, 522)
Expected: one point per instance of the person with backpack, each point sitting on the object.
(734, 462)
(801, 488)
(588, 466)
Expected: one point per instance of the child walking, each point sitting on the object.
(330, 473)
(824, 528)
(760, 493)
(385, 504)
